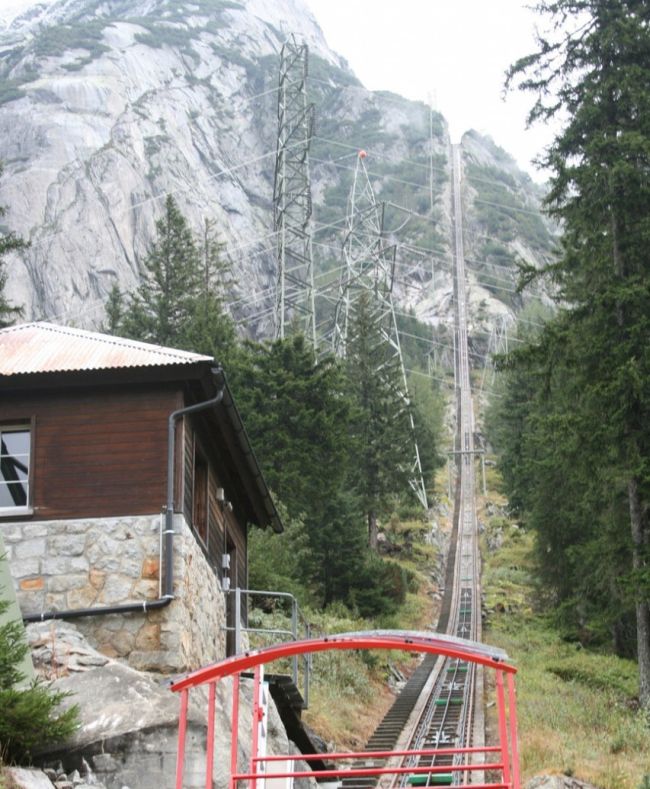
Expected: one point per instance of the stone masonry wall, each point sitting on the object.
(97, 562)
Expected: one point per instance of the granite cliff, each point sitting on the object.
(108, 105)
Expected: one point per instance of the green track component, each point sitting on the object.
(443, 702)
(435, 779)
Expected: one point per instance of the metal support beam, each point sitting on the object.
(294, 303)
(369, 268)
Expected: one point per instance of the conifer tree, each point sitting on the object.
(302, 421)
(594, 67)
(180, 300)
(158, 310)
(30, 717)
(381, 425)
(297, 414)
(210, 329)
(114, 311)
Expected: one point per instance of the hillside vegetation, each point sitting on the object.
(578, 707)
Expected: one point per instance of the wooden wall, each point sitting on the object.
(97, 452)
(226, 528)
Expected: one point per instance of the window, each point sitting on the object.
(15, 445)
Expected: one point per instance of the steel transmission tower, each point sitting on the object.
(369, 267)
(294, 303)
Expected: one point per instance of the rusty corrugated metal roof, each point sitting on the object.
(48, 348)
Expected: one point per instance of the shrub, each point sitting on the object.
(30, 715)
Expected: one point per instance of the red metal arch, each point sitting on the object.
(404, 641)
(505, 760)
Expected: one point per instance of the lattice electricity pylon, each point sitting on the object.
(369, 267)
(294, 303)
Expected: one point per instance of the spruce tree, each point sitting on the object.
(210, 329)
(114, 311)
(298, 416)
(159, 309)
(381, 425)
(594, 67)
(180, 300)
(30, 716)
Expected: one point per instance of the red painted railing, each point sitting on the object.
(502, 759)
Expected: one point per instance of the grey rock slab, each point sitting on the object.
(115, 700)
(27, 778)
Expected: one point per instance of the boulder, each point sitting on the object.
(59, 648)
(25, 778)
(129, 725)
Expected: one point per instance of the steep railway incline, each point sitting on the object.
(434, 733)
(441, 704)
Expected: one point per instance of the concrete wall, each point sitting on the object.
(96, 562)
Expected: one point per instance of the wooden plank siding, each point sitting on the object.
(97, 451)
(226, 528)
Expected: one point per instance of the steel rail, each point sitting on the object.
(448, 716)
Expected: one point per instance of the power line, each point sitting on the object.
(415, 185)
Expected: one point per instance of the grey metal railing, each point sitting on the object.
(299, 628)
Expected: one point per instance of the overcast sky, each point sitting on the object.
(456, 51)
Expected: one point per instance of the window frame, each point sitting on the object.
(25, 426)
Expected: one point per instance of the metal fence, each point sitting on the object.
(298, 629)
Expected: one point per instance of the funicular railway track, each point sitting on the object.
(438, 706)
(434, 733)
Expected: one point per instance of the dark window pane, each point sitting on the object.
(14, 467)
(13, 494)
(16, 442)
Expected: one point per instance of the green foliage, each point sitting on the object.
(56, 40)
(279, 563)
(427, 406)
(304, 421)
(180, 300)
(114, 310)
(381, 425)
(30, 715)
(382, 590)
(617, 677)
(576, 706)
(297, 415)
(578, 462)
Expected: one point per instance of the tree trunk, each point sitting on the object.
(639, 542)
(372, 530)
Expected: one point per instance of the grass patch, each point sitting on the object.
(577, 707)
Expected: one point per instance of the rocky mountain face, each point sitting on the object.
(108, 105)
